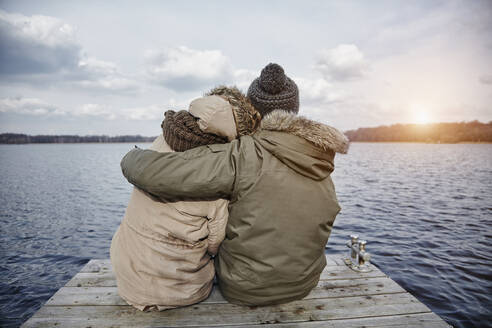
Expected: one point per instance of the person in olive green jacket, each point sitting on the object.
(282, 199)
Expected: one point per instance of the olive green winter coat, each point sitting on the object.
(282, 202)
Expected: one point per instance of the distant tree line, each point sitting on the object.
(15, 138)
(474, 131)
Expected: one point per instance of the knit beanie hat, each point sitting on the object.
(181, 132)
(246, 116)
(274, 90)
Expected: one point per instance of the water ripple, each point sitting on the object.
(424, 209)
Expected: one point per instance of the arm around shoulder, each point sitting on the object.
(201, 173)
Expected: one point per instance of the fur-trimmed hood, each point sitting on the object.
(247, 118)
(303, 145)
(320, 135)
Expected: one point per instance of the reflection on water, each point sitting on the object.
(424, 209)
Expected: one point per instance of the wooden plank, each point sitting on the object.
(418, 320)
(92, 279)
(221, 314)
(105, 277)
(98, 265)
(343, 298)
(337, 259)
(344, 272)
(72, 296)
(330, 261)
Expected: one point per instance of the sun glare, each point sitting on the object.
(421, 114)
(422, 118)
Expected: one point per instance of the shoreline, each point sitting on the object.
(145, 142)
(426, 142)
(77, 143)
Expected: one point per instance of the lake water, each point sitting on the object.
(425, 209)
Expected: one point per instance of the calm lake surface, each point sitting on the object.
(425, 209)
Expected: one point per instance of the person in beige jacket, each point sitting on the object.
(162, 253)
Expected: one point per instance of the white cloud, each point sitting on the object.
(96, 67)
(244, 77)
(342, 63)
(95, 110)
(36, 106)
(149, 113)
(153, 112)
(317, 91)
(29, 106)
(43, 30)
(108, 83)
(36, 44)
(427, 53)
(44, 49)
(486, 79)
(185, 69)
(98, 75)
(101, 75)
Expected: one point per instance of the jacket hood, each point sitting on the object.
(320, 135)
(215, 116)
(247, 118)
(306, 146)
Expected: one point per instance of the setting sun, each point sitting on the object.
(422, 118)
(421, 114)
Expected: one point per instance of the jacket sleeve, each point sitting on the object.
(217, 222)
(202, 173)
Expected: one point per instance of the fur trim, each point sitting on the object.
(321, 135)
(246, 116)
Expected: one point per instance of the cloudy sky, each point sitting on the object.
(100, 67)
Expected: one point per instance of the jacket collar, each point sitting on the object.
(320, 135)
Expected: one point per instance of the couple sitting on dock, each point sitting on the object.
(237, 185)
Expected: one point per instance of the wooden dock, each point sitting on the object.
(343, 298)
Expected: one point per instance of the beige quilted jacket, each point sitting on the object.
(161, 252)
